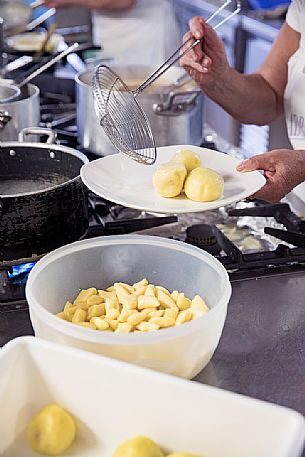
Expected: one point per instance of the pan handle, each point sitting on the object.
(5, 117)
(172, 108)
(37, 4)
(39, 20)
(38, 131)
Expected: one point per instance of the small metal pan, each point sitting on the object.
(17, 16)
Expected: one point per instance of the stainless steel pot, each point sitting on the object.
(175, 113)
(19, 114)
(16, 15)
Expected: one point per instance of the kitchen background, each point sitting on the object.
(248, 38)
(262, 246)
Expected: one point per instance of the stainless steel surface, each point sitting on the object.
(262, 350)
(17, 14)
(39, 131)
(23, 113)
(185, 128)
(8, 92)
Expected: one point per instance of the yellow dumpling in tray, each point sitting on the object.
(188, 158)
(204, 185)
(169, 178)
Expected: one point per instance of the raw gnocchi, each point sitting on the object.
(123, 308)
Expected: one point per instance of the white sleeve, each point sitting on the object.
(293, 16)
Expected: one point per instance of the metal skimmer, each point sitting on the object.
(121, 116)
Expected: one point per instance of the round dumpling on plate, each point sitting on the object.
(188, 158)
(204, 185)
(169, 178)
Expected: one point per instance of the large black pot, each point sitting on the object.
(43, 202)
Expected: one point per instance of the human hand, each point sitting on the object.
(208, 59)
(284, 169)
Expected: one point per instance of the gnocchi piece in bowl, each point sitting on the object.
(124, 308)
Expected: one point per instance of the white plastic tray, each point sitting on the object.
(113, 401)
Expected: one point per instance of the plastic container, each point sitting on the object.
(100, 262)
(113, 401)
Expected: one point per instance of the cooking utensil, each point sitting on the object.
(17, 14)
(50, 33)
(174, 111)
(37, 70)
(121, 116)
(15, 65)
(43, 201)
(132, 185)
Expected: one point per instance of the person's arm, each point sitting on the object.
(105, 5)
(252, 99)
(284, 169)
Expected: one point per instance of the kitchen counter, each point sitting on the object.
(262, 350)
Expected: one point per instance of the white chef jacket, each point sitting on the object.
(294, 97)
(146, 34)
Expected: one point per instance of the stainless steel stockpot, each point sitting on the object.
(174, 112)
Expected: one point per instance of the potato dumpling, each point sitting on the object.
(203, 185)
(51, 431)
(188, 158)
(141, 446)
(169, 178)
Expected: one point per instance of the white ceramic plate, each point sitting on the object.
(122, 180)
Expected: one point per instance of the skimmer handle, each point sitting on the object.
(177, 55)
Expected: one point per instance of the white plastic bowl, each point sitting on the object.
(99, 262)
(113, 401)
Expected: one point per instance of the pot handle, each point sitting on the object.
(38, 131)
(171, 108)
(5, 117)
